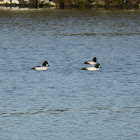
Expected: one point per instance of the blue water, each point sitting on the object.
(66, 102)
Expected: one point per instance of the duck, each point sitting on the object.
(93, 62)
(97, 66)
(43, 67)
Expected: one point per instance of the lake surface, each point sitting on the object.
(66, 102)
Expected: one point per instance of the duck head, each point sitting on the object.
(45, 63)
(97, 65)
(95, 59)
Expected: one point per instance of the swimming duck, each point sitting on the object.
(43, 67)
(97, 66)
(93, 62)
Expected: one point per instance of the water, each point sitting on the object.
(65, 102)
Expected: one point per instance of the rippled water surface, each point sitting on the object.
(66, 102)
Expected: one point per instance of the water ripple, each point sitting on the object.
(33, 112)
(103, 34)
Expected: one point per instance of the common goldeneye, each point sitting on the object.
(97, 66)
(93, 62)
(43, 67)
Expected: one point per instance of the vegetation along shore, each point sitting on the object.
(72, 3)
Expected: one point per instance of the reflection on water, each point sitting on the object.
(91, 110)
(65, 101)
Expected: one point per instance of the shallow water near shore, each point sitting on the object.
(66, 102)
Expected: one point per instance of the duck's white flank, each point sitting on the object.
(91, 62)
(41, 68)
(91, 68)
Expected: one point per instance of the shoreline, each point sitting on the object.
(66, 4)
